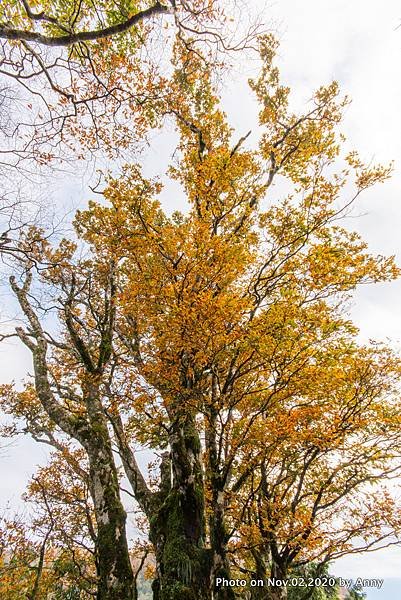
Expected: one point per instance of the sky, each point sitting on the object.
(357, 43)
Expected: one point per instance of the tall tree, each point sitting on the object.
(219, 338)
(87, 424)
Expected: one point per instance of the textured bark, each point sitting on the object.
(178, 528)
(259, 593)
(114, 568)
(10, 33)
(142, 494)
(218, 534)
(277, 593)
(116, 579)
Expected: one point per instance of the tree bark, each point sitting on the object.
(218, 533)
(218, 538)
(177, 529)
(116, 579)
(260, 574)
(278, 592)
(11, 33)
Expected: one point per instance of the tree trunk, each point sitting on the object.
(260, 574)
(115, 575)
(277, 592)
(218, 538)
(218, 533)
(178, 528)
(114, 567)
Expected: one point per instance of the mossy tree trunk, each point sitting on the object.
(115, 575)
(178, 526)
(218, 538)
(277, 593)
(260, 574)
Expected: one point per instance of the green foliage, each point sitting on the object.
(67, 15)
(322, 592)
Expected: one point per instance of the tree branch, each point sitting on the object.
(142, 493)
(10, 33)
(54, 409)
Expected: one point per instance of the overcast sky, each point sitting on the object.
(357, 43)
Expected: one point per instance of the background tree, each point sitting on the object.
(51, 549)
(62, 509)
(219, 338)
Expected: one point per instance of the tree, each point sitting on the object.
(81, 81)
(51, 550)
(62, 513)
(219, 338)
(90, 430)
(86, 74)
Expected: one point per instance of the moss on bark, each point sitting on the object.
(177, 529)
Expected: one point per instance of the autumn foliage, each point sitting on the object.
(219, 338)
